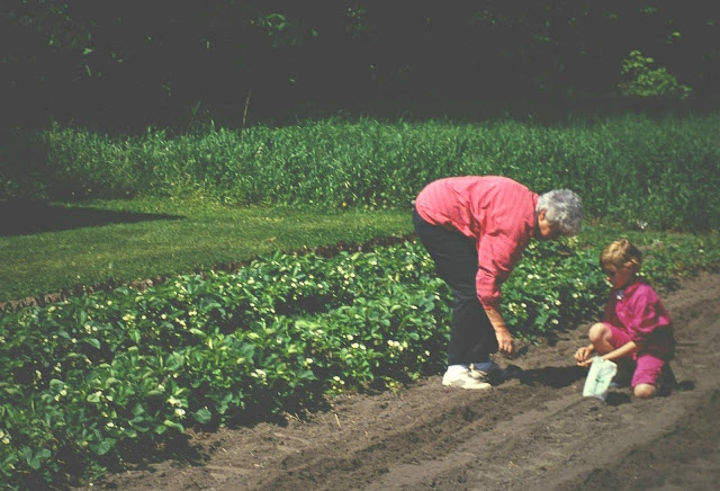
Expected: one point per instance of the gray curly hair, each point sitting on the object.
(563, 210)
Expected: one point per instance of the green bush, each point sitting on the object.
(643, 81)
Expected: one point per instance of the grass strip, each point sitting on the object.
(121, 241)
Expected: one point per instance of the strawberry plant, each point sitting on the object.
(88, 380)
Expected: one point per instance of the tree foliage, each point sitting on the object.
(643, 81)
(159, 62)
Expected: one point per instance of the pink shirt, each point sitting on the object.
(496, 211)
(638, 310)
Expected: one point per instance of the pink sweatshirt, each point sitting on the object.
(496, 211)
(638, 310)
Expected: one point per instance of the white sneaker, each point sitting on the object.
(466, 378)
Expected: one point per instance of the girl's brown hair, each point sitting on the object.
(621, 253)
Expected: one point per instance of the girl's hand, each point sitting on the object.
(586, 363)
(582, 356)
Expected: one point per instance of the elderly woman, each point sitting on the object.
(476, 229)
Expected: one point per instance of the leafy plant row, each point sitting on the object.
(86, 383)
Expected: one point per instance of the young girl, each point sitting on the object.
(636, 324)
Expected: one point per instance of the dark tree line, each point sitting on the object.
(160, 62)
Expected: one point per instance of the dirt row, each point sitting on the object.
(535, 431)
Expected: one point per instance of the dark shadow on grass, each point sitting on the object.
(27, 218)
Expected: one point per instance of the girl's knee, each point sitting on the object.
(644, 391)
(598, 332)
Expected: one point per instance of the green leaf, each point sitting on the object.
(174, 425)
(92, 342)
(202, 416)
(35, 461)
(103, 447)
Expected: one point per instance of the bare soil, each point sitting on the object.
(534, 432)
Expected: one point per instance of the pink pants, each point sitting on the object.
(648, 365)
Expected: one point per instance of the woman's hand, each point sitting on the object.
(506, 344)
(504, 338)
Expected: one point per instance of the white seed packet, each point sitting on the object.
(599, 377)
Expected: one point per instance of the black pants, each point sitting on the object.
(472, 337)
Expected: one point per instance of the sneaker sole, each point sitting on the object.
(478, 386)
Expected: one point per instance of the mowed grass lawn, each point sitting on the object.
(63, 245)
